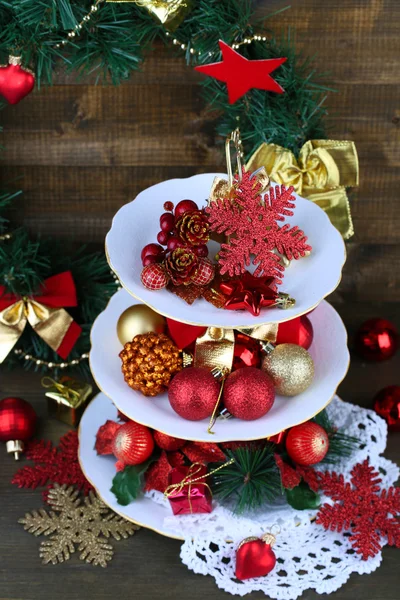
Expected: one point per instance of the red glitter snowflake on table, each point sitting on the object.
(252, 223)
(53, 465)
(361, 507)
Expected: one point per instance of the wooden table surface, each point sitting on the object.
(79, 152)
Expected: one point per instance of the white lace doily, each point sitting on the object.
(308, 557)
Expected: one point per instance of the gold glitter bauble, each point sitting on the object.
(136, 320)
(291, 369)
(149, 362)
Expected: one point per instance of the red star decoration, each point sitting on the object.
(241, 74)
(249, 293)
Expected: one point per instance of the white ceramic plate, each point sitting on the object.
(329, 351)
(100, 470)
(308, 280)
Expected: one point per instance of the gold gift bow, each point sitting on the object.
(51, 324)
(323, 171)
(170, 13)
(70, 395)
(175, 488)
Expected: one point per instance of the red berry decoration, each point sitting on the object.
(162, 238)
(15, 81)
(151, 250)
(17, 424)
(205, 272)
(201, 251)
(132, 444)
(185, 206)
(246, 353)
(376, 340)
(167, 222)
(248, 394)
(387, 405)
(193, 393)
(154, 277)
(297, 331)
(166, 442)
(169, 206)
(255, 557)
(307, 444)
(173, 243)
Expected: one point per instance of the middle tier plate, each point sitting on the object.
(328, 350)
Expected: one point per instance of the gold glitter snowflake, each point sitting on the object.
(86, 524)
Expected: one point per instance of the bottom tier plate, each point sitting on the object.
(100, 470)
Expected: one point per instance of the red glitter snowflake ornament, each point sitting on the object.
(362, 507)
(53, 465)
(251, 222)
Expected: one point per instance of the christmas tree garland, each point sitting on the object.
(110, 39)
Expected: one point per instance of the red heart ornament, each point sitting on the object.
(15, 82)
(254, 558)
(182, 334)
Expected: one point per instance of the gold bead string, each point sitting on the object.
(76, 30)
(51, 364)
(193, 51)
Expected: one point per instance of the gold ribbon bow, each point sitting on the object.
(44, 313)
(51, 324)
(323, 171)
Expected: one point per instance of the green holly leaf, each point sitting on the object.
(302, 497)
(127, 484)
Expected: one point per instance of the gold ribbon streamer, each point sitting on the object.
(215, 348)
(323, 171)
(51, 324)
(176, 488)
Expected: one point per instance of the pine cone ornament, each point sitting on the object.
(193, 228)
(149, 362)
(181, 265)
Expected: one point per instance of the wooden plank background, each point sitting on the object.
(81, 151)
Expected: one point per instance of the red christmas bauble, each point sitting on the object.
(297, 331)
(193, 393)
(254, 558)
(248, 394)
(307, 444)
(205, 272)
(132, 445)
(15, 81)
(387, 405)
(17, 424)
(185, 206)
(154, 277)
(246, 352)
(376, 340)
(166, 442)
(167, 222)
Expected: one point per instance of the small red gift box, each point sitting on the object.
(188, 491)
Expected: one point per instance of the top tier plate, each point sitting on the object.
(307, 280)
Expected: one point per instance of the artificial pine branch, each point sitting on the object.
(341, 445)
(251, 481)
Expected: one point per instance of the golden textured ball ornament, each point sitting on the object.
(291, 369)
(149, 362)
(136, 320)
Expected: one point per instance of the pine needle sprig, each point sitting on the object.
(251, 481)
(341, 445)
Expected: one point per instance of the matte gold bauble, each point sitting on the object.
(291, 369)
(136, 320)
